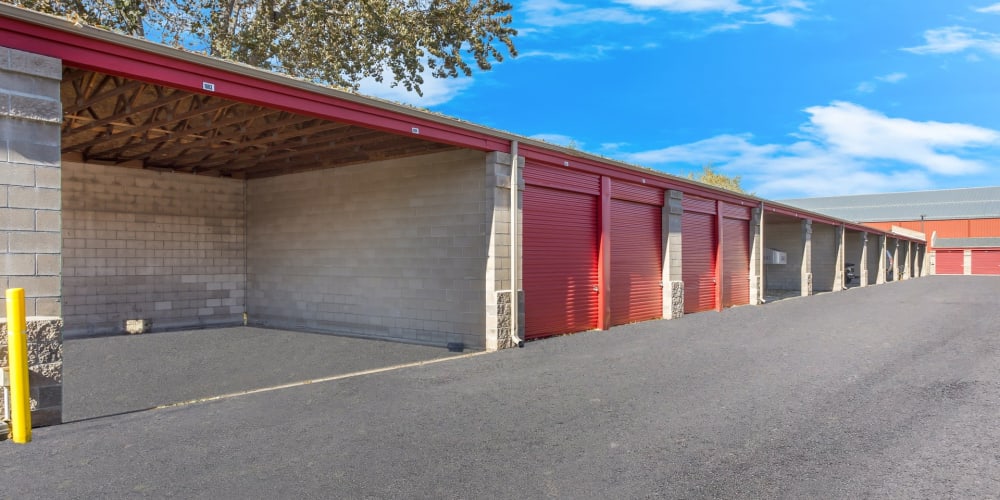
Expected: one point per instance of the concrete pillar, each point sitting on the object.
(30, 216)
(895, 261)
(757, 256)
(807, 277)
(498, 282)
(673, 282)
(908, 263)
(916, 260)
(925, 269)
(967, 262)
(882, 264)
(863, 265)
(838, 271)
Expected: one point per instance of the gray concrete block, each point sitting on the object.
(17, 264)
(34, 153)
(33, 197)
(48, 264)
(35, 242)
(35, 64)
(17, 219)
(13, 83)
(48, 220)
(35, 109)
(17, 174)
(48, 177)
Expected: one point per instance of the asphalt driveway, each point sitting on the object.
(881, 392)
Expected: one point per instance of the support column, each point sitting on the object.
(30, 217)
(895, 261)
(673, 282)
(838, 272)
(967, 262)
(883, 241)
(757, 256)
(807, 277)
(863, 265)
(916, 260)
(498, 282)
(925, 269)
(907, 265)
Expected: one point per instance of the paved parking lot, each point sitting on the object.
(110, 375)
(881, 392)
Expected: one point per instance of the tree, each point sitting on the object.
(711, 177)
(338, 42)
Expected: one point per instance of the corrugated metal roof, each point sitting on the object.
(967, 243)
(966, 203)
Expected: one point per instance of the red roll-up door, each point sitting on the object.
(949, 262)
(735, 262)
(636, 261)
(698, 247)
(986, 262)
(560, 261)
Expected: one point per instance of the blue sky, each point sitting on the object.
(799, 97)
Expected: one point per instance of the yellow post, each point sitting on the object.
(17, 355)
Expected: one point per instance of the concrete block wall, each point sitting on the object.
(786, 237)
(45, 367)
(498, 265)
(673, 243)
(30, 119)
(824, 256)
(160, 246)
(394, 249)
(852, 254)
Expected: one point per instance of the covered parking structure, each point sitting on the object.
(152, 189)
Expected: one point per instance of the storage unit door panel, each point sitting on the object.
(949, 262)
(636, 259)
(698, 246)
(735, 262)
(986, 262)
(560, 261)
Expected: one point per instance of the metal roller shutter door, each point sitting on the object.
(636, 259)
(560, 261)
(735, 262)
(698, 249)
(949, 262)
(986, 262)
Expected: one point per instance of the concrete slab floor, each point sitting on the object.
(120, 374)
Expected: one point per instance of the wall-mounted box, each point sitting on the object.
(772, 256)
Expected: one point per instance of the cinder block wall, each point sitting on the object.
(852, 254)
(786, 237)
(394, 249)
(824, 255)
(874, 250)
(139, 244)
(30, 119)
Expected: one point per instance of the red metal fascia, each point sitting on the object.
(81, 51)
(617, 172)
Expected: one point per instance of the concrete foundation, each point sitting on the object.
(45, 368)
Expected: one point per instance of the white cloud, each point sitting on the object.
(843, 148)
(954, 39)
(550, 13)
(992, 9)
(559, 140)
(858, 132)
(436, 90)
(868, 87)
(892, 77)
(587, 53)
(727, 6)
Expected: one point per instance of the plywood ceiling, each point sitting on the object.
(115, 120)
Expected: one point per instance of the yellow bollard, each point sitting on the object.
(17, 356)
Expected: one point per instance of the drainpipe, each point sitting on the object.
(515, 252)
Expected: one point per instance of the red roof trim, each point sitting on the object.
(81, 51)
